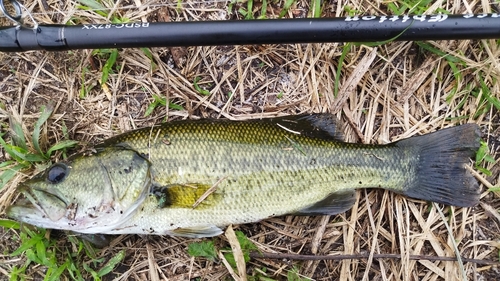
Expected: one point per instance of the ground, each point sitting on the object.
(385, 93)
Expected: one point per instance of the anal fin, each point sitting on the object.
(335, 203)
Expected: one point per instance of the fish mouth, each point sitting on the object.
(36, 203)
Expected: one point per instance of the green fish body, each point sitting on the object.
(192, 178)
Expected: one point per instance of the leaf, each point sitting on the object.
(111, 264)
(56, 274)
(46, 112)
(160, 101)
(198, 88)
(205, 249)
(26, 245)
(9, 224)
(448, 57)
(246, 247)
(484, 171)
(481, 152)
(231, 260)
(8, 174)
(494, 189)
(108, 66)
(245, 243)
(287, 6)
(15, 152)
(30, 254)
(61, 145)
(92, 4)
(487, 93)
(317, 8)
(92, 272)
(17, 133)
(41, 253)
(345, 50)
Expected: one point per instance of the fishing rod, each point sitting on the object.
(20, 37)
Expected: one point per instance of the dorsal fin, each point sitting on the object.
(318, 125)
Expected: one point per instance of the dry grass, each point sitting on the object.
(386, 93)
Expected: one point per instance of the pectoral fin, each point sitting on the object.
(197, 232)
(185, 195)
(333, 204)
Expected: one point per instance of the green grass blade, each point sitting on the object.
(249, 15)
(26, 245)
(8, 174)
(111, 264)
(61, 145)
(198, 88)
(108, 66)
(92, 272)
(92, 4)
(286, 7)
(345, 50)
(17, 133)
(263, 10)
(46, 113)
(487, 94)
(57, 272)
(316, 4)
(448, 57)
(378, 43)
(16, 152)
(9, 224)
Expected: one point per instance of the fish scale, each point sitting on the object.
(192, 178)
(273, 168)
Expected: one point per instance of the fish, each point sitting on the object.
(193, 178)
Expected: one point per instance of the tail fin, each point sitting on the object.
(441, 175)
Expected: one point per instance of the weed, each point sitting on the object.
(205, 249)
(293, 275)
(482, 157)
(345, 50)
(286, 7)
(246, 247)
(111, 56)
(35, 245)
(158, 100)
(198, 88)
(148, 54)
(316, 8)
(41, 251)
(23, 157)
(409, 6)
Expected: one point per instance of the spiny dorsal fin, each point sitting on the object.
(335, 203)
(319, 125)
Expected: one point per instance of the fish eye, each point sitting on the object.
(57, 173)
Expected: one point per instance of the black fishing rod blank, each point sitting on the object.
(279, 31)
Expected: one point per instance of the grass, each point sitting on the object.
(35, 245)
(410, 88)
(24, 157)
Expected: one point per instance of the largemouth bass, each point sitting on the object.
(192, 178)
